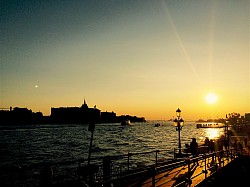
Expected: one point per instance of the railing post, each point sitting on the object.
(107, 171)
(189, 172)
(214, 157)
(153, 176)
(233, 154)
(223, 160)
(230, 154)
(227, 154)
(205, 168)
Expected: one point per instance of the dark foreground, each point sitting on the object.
(236, 173)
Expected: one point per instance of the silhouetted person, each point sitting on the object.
(187, 148)
(220, 144)
(226, 143)
(245, 140)
(206, 143)
(235, 145)
(240, 147)
(46, 175)
(194, 148)
(211, 146)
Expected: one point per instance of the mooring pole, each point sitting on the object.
(91, 129)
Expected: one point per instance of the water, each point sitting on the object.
(27, 145)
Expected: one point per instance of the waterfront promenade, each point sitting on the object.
(231, 168)
(236, 173)
(212, 168)
(228, 171)
(224, 172)
(178, 175)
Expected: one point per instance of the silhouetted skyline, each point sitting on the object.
(62, 115)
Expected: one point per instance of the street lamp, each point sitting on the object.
(178, 123)
(226, 127)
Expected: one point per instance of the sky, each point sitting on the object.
(143, 58)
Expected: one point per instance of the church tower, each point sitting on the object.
(84, 105)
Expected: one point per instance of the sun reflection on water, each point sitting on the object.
(212, 133)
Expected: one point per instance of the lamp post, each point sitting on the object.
(226, 127)
(178, 123)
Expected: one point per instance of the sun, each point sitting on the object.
(211, 98)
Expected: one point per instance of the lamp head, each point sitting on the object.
(178, 112)
(181, 122)
(175, 122)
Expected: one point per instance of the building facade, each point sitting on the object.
(76, 115)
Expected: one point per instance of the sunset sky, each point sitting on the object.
(143, 58)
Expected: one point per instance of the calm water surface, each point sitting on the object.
(25, 145)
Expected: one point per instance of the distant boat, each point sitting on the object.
(209, 125)
(157, 125)
(126, 123)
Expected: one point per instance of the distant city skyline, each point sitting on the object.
(142, 58)
(95, 107)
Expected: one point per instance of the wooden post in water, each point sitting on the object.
(91, 129)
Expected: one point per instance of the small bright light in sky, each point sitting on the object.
(211, 98)
(36, 86)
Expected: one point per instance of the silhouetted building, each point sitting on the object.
(108, 117)
(247, 117)
(131, 118)
(82, 114)
(17, 116)
(62, 115)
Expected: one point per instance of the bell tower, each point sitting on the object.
(84, 105)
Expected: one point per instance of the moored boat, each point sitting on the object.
(126, 123)
(157, 125)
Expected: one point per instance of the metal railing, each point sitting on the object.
(99, 169)
(211, 162)
(115, 170)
